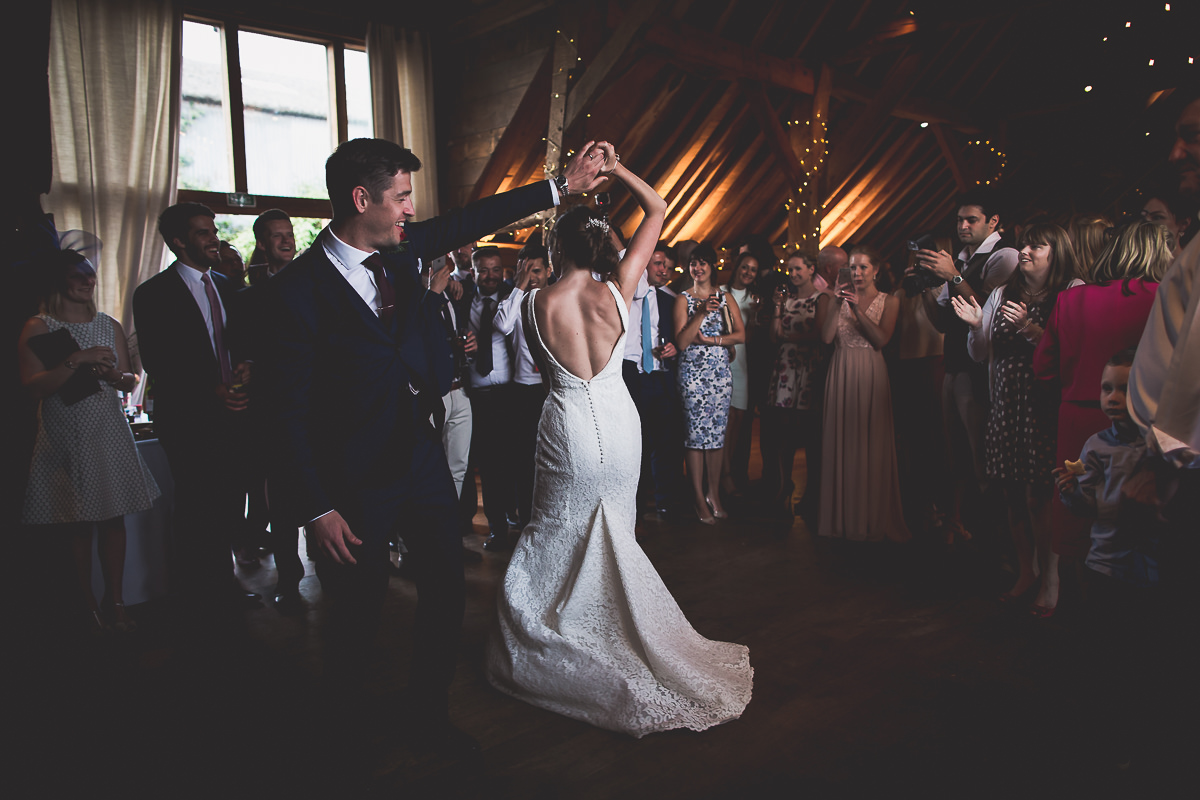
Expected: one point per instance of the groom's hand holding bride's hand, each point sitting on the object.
(332, 534)
(583, 170)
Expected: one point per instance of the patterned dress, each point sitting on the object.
(794, 382)
(1022, 430)
(705, 383)
(85, 467)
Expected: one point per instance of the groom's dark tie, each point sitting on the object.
(387, 296)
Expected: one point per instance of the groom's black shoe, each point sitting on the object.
(497, 541)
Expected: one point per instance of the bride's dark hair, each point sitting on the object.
(580, 236)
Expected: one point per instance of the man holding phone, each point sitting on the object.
(984, 263)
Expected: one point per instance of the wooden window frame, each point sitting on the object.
(294, 206)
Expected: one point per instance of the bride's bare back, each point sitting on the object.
(579, 323)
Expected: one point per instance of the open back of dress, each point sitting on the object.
(586, 627)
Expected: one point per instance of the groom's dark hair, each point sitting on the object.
(370, 163)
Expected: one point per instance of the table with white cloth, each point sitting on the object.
(146, 535)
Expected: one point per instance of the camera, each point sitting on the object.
(922, 278)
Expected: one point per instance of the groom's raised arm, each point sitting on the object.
(439, 235)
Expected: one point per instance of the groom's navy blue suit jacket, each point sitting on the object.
(349, 398)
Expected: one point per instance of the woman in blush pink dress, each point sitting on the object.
(860, 484)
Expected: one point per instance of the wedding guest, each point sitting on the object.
(86, 471)
(740, 290)
(528, 391)
(860, 488)
(705, 383)
(1088, 322)
(1089, 233)
(1125, 610)
(1175, 212)
(917, 372)
(648, 369)
(795, 389)
(274, 245)
(490, 387)
(1021, 434)
(231, 266)
(187, 318)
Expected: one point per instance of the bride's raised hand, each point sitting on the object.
(611, 158)
(969, 313)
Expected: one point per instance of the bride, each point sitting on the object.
(586, 627)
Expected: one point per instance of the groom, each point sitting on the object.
(357, 363)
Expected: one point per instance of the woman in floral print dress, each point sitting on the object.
(795, 391)
(707, 326)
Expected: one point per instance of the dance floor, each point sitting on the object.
(879, 672)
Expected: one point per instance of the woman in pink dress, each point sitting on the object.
(860, 484)
(1089, 324)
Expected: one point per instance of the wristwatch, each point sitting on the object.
(561, 183)
(956, 280)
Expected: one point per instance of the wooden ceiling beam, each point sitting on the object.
(896, 138)
(705, 196)
(497, 16)
(845, 215)
(899, 189)
(614, 52)
(723, 20)
(704, 163)
(766, 26)
(980, 55)
(871, 117)
(886, 38)
(813, 28)
(763, 182)
(711, 55)
(953, 156)
(702, 141)
(777, 138)
(652, 168)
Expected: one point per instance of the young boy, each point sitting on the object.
(1122, 542)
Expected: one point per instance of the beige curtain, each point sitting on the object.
(402, 102)
(113, 108)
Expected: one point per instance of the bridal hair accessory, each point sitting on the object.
(598, 222)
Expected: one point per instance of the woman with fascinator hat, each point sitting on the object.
(85, 469)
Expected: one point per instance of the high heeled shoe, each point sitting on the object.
(120, 622)
(98, 626)
(707, 519)
(722, 514)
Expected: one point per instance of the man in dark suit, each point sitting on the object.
(649, 356)
(184, 317)
(357, 365)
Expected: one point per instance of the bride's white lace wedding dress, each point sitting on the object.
(586, 626)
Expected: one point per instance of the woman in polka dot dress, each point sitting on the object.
(1022, 428)
(85, 469)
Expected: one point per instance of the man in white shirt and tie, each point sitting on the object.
(529, 393)
(648, 353)
(187, 332)
(490, 387)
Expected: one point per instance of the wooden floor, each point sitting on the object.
(879, 672)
